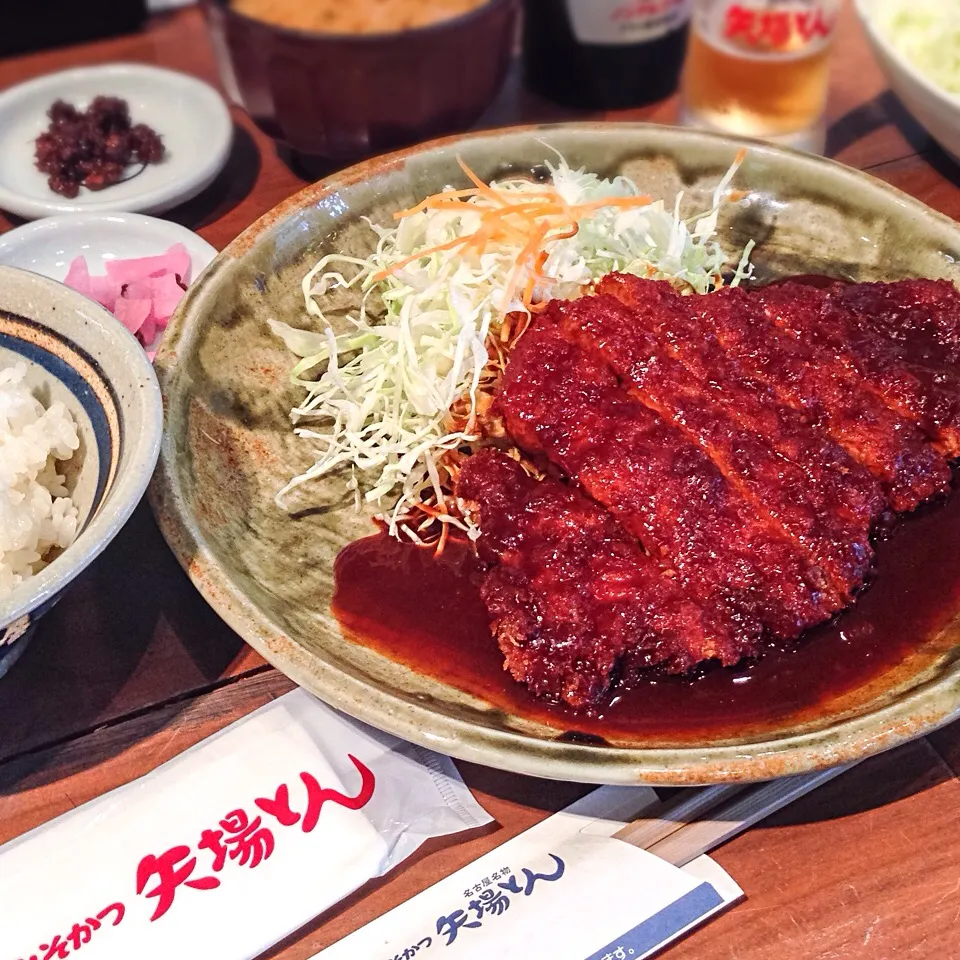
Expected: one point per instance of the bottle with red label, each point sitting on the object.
(604, 54)
(759, 67)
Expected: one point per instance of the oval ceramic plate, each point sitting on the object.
(189, 115)
(228, 445)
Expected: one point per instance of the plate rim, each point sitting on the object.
(847, 741)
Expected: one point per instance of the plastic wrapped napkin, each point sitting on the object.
(232, 845)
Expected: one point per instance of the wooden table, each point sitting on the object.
(132, 667)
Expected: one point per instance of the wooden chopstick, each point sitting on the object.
(676, 813)
(734, 816)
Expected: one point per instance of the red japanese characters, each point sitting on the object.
(239, 838)
(80, 934)
(775, 29)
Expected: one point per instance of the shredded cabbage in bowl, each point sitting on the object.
(927, 33)
(449, 274)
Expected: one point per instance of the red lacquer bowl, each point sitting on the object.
(345, 96)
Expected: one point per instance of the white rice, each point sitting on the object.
(36, 513)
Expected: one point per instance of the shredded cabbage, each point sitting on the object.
(382, 400)
(927, 33)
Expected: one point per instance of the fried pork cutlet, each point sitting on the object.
(571, 596)
(834, 394)
(921, 316)
(657, 310)
(559, 402)
(835, 323)
(828, 518)
(725, 459)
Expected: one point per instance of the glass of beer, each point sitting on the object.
(759, 68)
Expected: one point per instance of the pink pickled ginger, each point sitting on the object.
(142, 292)
(132, 313)
(175, 261)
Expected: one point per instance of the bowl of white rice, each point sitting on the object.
(80, 424)
(917, 45)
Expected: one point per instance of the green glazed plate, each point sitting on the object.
(228, 445)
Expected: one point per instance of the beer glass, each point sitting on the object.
(760, 68)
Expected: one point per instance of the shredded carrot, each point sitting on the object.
(527, 298)
(625, 202)
(393, 268)
(536, 273)
(533, 221)
(528, 252)
(444, 532)
(484, 189)
(438, 199)
(562, 235)
(431, 511)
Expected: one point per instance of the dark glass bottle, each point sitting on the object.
(604, 54)
(41, 24)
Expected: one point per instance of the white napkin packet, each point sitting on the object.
(232, 845)
(564, 889)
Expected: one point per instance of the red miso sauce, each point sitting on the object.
(426, 612)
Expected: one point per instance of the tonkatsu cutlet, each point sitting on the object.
(561, 403)
(658, 311)
(835, 395)
(829, 517)
(570, 595)
(922, 317)
(714, 467)
(835, 323)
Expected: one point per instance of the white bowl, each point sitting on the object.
(48, 245)
(78, 353)
(189, 115)
(934, 108)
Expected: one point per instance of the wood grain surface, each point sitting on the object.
(132, 667)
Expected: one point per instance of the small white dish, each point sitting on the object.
(189, 115)
(47, 246)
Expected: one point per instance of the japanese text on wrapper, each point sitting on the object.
(243, 838)
(491, 897)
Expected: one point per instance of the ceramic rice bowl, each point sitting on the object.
(79, 354)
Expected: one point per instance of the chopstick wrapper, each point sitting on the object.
(230, 846)
(565, 889)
